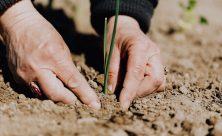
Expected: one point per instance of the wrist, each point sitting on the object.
(127, 28)
(124, 22)
(16, 13)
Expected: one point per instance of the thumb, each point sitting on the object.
(114, 70)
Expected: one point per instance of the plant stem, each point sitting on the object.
(104, 45)
(117, 6)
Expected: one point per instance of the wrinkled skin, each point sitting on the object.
(37, 52)
(144, 68)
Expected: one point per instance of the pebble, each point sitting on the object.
(186, 125)
(137, 113)
(199, 131)
(100, 79)
(161, 125)
(93, 84)
(183, 90)
(48, 105)
(119, 132)
(21, 96)
(179, 115)
(212, 120)
(217, 131)
(79, 68)
(159, 96)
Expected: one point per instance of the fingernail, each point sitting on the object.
(110, 88)
(125, 105)
(35, 89)
(96, 105)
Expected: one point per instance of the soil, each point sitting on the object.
(190, 105)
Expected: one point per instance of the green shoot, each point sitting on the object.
(203, 20)
(104, 45)
(107, 65)
(189, 15)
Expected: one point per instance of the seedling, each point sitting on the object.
(107, 60)
(189, 15)
(104, 45)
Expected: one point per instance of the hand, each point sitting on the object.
(144, 69)
(36, 52)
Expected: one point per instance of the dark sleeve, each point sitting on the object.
(5, 4)
(141, 10)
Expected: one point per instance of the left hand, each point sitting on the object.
(144, 68)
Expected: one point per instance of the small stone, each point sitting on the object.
(87, 120)
(21, 96)
(119, 132)
(159, 96)
(179, 116)
(112, 97)
(93, 84)
(186, 125)
(100, 89)
(100, 79)
(217, 131)
(148, 118)
(79, 68)
(48, 105)
(212, 120)
(137, 113)
(183, 90)
(129, 114)
(160, 125)
(200, 131)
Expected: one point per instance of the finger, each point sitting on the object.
(154, 77)
(114, 70)
(134, 75)
(72, 78)
(53, 88)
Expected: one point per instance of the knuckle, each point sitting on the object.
(73, 83)
(52, 47)
(138, 72)
(112, 74)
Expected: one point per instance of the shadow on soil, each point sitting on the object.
(78, 43)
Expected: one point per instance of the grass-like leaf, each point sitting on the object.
(104, 44)
(107, 67)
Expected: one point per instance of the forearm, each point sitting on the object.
(140, 10)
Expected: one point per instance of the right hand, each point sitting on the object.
(37, 53)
